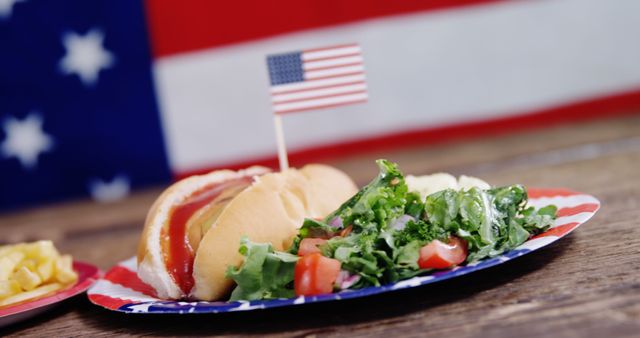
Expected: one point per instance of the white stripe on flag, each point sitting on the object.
(332, 62)
(333, 71)
(327, 53)
(316, 83)
(307, 104)
(319, 92)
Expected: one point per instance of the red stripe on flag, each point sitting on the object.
(624, 103)
(178, 27)
(570, 211)
(559, 231)
(322, 97)
(321, 107)
(109, 302)
(319, 87)
(129, 279)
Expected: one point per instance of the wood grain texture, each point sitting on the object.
(585, 285)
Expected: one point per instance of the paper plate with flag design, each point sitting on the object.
(121, 289)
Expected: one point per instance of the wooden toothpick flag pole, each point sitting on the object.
(283, 159)
(314, 79)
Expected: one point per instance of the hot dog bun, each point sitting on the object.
(270, 210)
(151, 266)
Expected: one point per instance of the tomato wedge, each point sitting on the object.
(315, 274)
(310, 245)
(439, 255)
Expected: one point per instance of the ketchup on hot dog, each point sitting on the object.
(180, 254)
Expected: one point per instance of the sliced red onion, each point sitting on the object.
(400, 222)
(341, 277)
(347, 283)
(345, 279)
(336, 222)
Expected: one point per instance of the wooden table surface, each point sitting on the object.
(585, 285)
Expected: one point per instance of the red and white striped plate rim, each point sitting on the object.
(121, 288)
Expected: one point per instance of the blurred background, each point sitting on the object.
(100, 98)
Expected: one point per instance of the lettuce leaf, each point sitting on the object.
(491, 221)
(265, 273)
(379, 202)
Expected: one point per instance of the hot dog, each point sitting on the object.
(192, 232)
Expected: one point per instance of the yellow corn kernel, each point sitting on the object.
(46, 270)
(27, 263)
(64, 270)
(28, 280)
(9, 263)
(41, 250)
(6, 268)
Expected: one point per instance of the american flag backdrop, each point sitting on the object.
(317, 78)
(98, 98)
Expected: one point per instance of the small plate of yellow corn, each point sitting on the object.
(34, 276)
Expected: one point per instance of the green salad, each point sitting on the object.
(386, 233)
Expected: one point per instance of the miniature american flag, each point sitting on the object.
(317, 78)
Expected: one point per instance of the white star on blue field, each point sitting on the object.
(25, 140)
(86, 56)
(102, 191)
